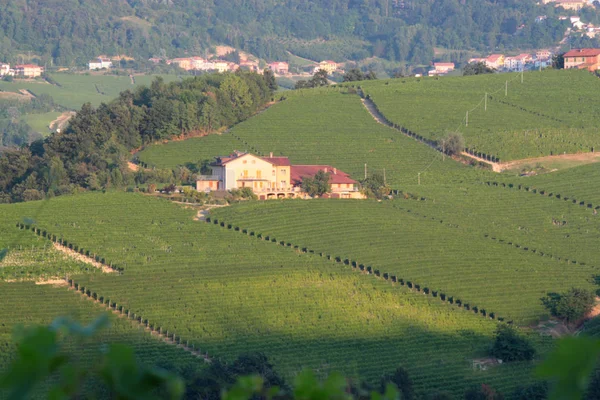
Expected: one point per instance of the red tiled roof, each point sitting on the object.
(494, 57)
(297, 172)
(278, 161)
(582, 53)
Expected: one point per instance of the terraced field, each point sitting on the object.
(551, 112)
(229, 293)
(324, 126)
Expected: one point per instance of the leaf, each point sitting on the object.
(571, 364)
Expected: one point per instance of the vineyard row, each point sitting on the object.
(542, 192)
(155, 329)
(71, 246)
(431, 143)
(367, 269)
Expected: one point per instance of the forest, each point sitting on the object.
(92, 153)
(69, 33)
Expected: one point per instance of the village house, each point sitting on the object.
(272, 177)
(543, 55)
(279, 67)
(517, 63)
(28, 70)
(100, 63)
(249, 65)
(327, 65)
(441, 68)
(583, 58)
(495, 61)
(4, 69)
(183, 63)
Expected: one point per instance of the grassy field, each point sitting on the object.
(551, 112)
(322, 127)
(229, 293)
(74, 89)
(41, 122)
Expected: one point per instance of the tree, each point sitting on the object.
(570, 306)
(317, 185)
(269, 77)
(509, 346)
(356, 74)
(375, 186)
(537, 391)
(403, 382)
(483, 392)
(558, 61)
(319, 79)
(452, 144)
(478, 68)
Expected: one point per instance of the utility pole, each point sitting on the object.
(467, 122)
(384, 180)
(506, 89)
(365, 170)
(419, 178)
(485, 104)
(522, 73)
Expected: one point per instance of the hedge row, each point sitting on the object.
(368, 269)
(71, 245)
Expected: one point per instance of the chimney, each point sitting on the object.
(271, 155)
(335, 171)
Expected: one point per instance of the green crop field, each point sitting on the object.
(44, 303)
(322, 127)
(230, 293)
(551, 112)
(435, 246)
(41, 122)
(74, 89)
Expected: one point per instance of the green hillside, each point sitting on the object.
(428, 246)
(326, 126)
(228, 293)
(550, 112)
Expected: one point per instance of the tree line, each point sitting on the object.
(92, 153)
(71, 33)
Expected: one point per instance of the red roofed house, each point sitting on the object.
(279, 67)
(28, 70)
(495, 61)
(583, 58)
(272, 177)
(441, 68)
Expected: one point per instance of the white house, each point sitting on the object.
(4, 69)
(100, 63)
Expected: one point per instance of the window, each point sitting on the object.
(283, 171)
(273, 172)
(244, 162)
(253, 161)
(246, 173)
(258, 173)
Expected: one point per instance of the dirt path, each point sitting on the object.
(157, 334)
(27, 93)
(133, 167)
(85, 259)
(62, 120)
(583, 158)
(496, 167)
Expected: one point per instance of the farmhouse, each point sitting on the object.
(272, 177)
(441, 68)
(100, 63)
(583, 58)
(327, 65)
(28, 70)
(279, 67)
(4, 69)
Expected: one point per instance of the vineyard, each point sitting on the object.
(325, 126)
(434, 245)
(550, 112)
(227, 293)
(44, 303)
